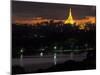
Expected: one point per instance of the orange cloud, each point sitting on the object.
(87, 19)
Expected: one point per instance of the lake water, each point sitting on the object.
(41, 61)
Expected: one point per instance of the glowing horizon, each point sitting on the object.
(35, 20)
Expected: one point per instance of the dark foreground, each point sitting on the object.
(63, 64)
(52, 38)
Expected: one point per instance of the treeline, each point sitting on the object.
(34, 38)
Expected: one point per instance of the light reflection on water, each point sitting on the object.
(44, 61)
(54, 58)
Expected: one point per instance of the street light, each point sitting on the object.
(55, 47)
(21, 51)
(41, 54)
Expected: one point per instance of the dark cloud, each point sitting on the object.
(50, 10)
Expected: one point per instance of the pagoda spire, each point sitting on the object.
(70, 18)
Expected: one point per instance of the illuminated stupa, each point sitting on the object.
(70, 18)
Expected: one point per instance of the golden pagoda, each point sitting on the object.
(70, 18)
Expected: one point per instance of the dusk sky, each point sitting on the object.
(50, 10)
